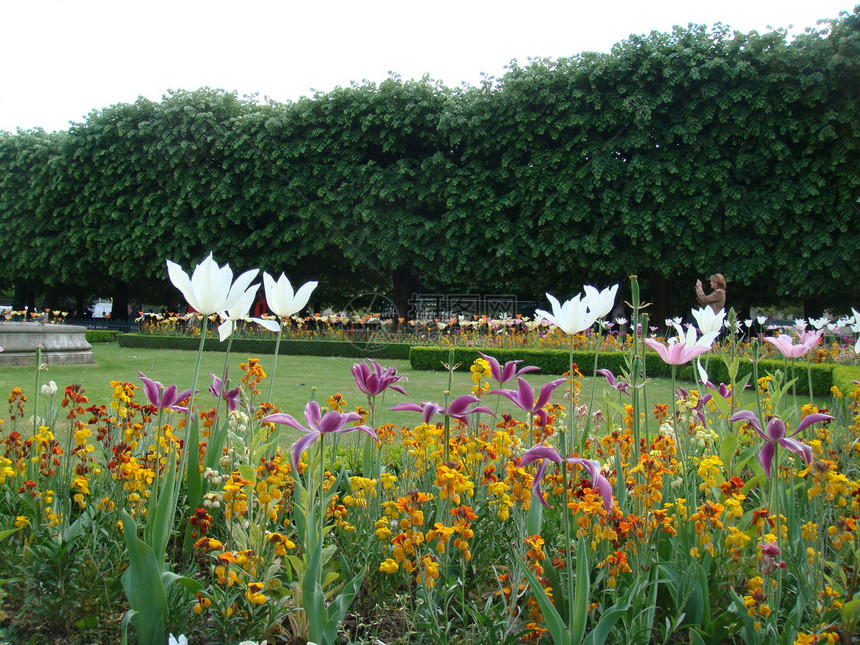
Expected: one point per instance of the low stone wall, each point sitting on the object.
(61, 344)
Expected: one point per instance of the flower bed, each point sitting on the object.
(618, 521)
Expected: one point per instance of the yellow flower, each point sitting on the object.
(253, 595)
(388, 566)
(480, 368)
(21, 521)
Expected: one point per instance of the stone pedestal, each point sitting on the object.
(61, 344)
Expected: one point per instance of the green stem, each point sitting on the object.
(446, 437)
(676, 424)
(754, 346)
(568, 556)
(189, 419)
(155, 486)
(322, 509)
(593, 377)
(793, 386)
(223, 382)
(571, 428)
(645, 390)
(36, 391)
(275, 359)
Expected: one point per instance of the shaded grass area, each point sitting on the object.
(297, 379)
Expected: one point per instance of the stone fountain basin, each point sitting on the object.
(61, 344)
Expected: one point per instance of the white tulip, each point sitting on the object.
(600, 302)
(572, 317)
(280, 296)
(211, 288)
(708, 321)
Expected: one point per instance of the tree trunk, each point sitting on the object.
(19, 298)
(405, 290)
(813, 307)
(52, 298)
(119, 310)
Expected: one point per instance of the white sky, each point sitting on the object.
(59, 59)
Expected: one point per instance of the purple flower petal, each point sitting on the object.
(540, 452)
(546, 393)
(299, 447)
(809, 419)
(775, 429)
(313, 415)
(797, 447)
(285, 419)
(766, 457)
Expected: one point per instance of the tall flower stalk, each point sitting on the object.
(571, 317)
(210, 289)
(680, 351)
(373, 381)
(283, 302)
(601, 303)
(324, 618)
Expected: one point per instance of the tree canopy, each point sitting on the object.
(675, 156)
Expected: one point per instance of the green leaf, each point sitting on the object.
(728, 447)
(534, 518)
(608, 618)
(190, 584)
(338, 608)
(216, 446)
(555, 625)
(581, 597)
(143, 587)
(851, 614)
(159, 522)
(7, 533)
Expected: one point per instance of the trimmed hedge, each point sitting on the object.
(556, 361)
(843, 375)
(101, 335)
(550, 361)
(257, 346)
(821, 373)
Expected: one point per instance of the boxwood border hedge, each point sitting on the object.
(101, 335)
(258, 346)
(556, 361)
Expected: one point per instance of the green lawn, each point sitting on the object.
(294, 380)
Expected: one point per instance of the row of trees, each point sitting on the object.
(674, 156)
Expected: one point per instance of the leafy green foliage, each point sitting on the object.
(674, 156)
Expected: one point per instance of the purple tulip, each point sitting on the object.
(524, 397)
(457, 409)
(318, 425)
(621, 386)
(545, 453)
(218, 390)
(163, 398)
(776, 434)
(508, 372)
(375, 381)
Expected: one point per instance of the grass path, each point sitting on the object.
(295, 378)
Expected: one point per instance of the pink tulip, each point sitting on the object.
(786, 347)
(684, 348)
